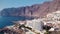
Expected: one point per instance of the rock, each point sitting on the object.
(37, 10)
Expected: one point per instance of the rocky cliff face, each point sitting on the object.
(37, 10)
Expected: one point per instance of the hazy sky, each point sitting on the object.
(18, 3)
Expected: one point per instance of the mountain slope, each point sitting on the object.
(37, 10)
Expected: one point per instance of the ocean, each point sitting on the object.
(6, 21)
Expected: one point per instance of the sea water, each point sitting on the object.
(6, 21)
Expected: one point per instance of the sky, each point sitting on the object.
(18, 3)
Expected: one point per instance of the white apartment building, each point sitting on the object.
(35, 24)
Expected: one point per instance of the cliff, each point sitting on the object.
(37, 10)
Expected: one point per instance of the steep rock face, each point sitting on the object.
(37, 10)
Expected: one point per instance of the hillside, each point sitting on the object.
(37, 10)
